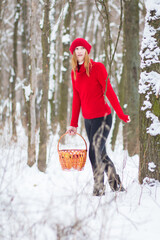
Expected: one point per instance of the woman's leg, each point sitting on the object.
(109, 168)
(97, 131)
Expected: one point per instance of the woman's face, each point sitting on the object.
(80, 53)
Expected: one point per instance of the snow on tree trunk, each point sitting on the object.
(149, 89)
(52, 72)
(45, 82)
(32, 87)
(15, 69)
(1, 118)
(25, 60)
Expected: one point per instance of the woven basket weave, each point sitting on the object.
(72, 158)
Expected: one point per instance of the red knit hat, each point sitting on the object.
(80, 42)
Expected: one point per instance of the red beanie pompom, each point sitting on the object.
(80, 42)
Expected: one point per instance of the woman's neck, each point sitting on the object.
(80, 63)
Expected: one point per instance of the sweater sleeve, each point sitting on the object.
(112, 97)
(76, 105)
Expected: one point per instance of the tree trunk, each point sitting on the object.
(30, 105)
(131, 67)
(1, 118)
(45, 82)
(15, 69)
(88, 12)
(149, 89)
(52, 78)
(63, 85)
(25, 60)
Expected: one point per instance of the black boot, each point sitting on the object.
(99, 191)
(115, 183)
(99, 187)
(113, 177)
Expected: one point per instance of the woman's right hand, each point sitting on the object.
(72, 130)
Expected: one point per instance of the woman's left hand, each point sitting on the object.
(129, 119)
(72, 130)
(125, 118)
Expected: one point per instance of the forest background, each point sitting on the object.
(35, 82)
(37, 199)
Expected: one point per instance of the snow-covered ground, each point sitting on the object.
(58, 205)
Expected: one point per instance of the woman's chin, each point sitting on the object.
(80, 59)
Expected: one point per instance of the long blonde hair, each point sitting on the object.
(87, 63)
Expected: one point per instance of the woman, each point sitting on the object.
(89, 82)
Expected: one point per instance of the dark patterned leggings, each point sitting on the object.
(97, 131)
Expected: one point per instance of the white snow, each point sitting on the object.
(149, 83)
(59, 204)
(66, 38)
(151, 166)
(147, 105)
(63, 69)
(153, 5)
(125, 106)
(154, 128)
(27, 91)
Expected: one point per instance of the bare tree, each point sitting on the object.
(64, 84)
(128, 87)
(15, 69)
(25, 56)
(52, 75)
(0, 63)
(130, 75)
(45, 82)
(149, 88)
(31, 108)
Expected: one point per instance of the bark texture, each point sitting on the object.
(45, 82)
(64, 84)
(150, 143)
(128, 86)
(131, 74)
(30, 106)
(15, 69)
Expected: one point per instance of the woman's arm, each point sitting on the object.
(112, 97)
(115, 103)
(76, 105)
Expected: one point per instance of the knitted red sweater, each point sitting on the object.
(88, 94)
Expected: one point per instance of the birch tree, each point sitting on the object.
(149, 89)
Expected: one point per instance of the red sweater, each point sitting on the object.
(88, 94)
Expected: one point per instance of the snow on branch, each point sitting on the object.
(28, 91)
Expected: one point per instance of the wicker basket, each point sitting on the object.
(72, 158)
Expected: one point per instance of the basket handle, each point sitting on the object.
(68, 133)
